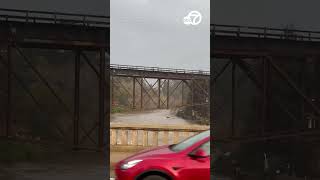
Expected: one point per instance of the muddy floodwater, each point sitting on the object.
(152, 119)
(161, 117)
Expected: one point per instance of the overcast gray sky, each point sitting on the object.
(152, 33)
(302, 14)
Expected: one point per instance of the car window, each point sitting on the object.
(205, 147)
(190, 141)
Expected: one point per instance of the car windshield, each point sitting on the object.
(189, 142)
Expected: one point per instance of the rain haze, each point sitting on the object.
(152, 33)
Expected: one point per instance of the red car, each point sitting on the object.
(187, 160)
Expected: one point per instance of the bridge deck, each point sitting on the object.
(26, 16)
(156, 72)
(228, 41)
(39, 29)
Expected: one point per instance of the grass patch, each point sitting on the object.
(119, 109)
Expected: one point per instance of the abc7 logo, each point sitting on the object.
(193, 18)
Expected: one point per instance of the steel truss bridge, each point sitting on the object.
(271, 75)
(243, 46)
(23, 30)
(167, 86)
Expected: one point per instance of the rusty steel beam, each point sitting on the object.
(89, 63)
(221, 71)
(192, 97)
(265, 102)
(89, 133)
(159, 93)
(107, 108)
(152, 90)
(91, 130)
(302, 85)
(163, 76)
(252, 77)
(233, 98)
(47, 17)
(182, 92)
(292, 84)
(44, 81)
(55, 44)
(146, 92)
(134, 93)
(141, 94)
(152, 86)
(112, 90)
(162, 84)
(174, 90)
(168, 93)
(202, 89)
(29, 92)
(263, 32)
(123, 87)
(227, 47)
(270, 136)
(102, 99)
(76, 117)
(9, 91)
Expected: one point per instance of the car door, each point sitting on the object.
(197, 168)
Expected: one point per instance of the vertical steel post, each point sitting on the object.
(9, 93)
(134, 93)
(105, 129)
(102, 99)
(76, 117)
(141, 94)
(159, 93)
(182, 88)
(233, 99)
(112, 91)
(302, 84)
(265, 103)
(192, 98)
(168, 93)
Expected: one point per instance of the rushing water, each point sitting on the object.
(161, 117)
(152, 119)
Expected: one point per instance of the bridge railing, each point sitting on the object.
(158, 69)
(141, 137)
(264, 32)
(53, 17)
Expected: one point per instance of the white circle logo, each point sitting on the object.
(193, 18)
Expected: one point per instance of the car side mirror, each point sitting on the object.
(199, 153)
